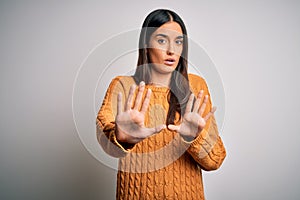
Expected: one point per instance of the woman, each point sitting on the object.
(165, 133)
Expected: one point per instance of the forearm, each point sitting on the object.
(107, 139)
(105, 122)
(207, 148)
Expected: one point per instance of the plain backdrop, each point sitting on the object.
(255, 46)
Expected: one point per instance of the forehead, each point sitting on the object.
(170, 28)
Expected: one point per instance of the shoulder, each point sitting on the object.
(121, 83)
(123, 80)
(194, 77)
(197, 82)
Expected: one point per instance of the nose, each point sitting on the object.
(170, 50)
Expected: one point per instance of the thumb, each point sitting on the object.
(159, 128)
(173, 127)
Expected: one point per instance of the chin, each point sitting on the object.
(164, 69)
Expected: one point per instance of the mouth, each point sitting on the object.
(169, 61)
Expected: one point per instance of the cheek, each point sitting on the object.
(178, 51)
(156, 55)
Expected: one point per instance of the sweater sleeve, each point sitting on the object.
(105, 121)
(207, 148)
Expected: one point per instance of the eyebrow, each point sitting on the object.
(163, 35)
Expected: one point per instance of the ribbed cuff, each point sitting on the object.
(124, 146)
(200, 146)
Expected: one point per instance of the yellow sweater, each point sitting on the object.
(164, 165)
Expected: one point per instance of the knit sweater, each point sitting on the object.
(164, 165)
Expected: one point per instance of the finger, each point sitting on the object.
(139, 95)
(119, 103)
(173, 127)
(197, 102)
(189, 104)
(158, 128)
(203, 105)
(146, 101)
(130, 98)
(210, 113)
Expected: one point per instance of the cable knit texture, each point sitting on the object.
(164, 165)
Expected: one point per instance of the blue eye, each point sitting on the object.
(161, 41)
(179, 42)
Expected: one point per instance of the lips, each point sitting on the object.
(169, 61)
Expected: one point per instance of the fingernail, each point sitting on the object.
(142, 83)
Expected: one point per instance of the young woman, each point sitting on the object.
(160, 121)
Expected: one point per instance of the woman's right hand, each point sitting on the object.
(130, 123)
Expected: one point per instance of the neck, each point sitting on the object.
(160, 80)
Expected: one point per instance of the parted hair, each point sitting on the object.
(179, 85)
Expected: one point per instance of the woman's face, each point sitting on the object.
(165, 47)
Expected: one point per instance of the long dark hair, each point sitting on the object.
(179, 84)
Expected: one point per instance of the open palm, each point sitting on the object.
(130, 123)
(193, 120)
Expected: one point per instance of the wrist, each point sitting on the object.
(188, 138)
(121, 137)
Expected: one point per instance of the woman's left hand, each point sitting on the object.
(193, 120)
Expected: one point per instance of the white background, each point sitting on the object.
(254, 44)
